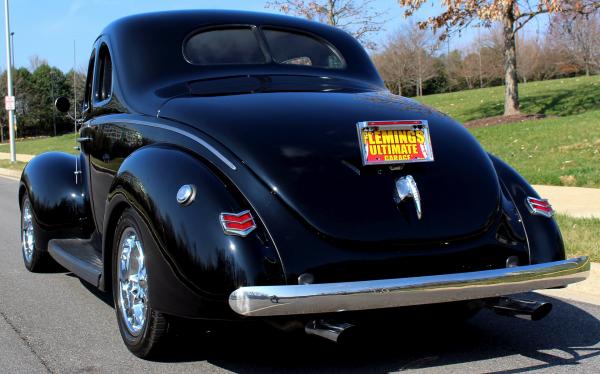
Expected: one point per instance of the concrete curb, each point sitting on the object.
(587, 291)
(11, 174)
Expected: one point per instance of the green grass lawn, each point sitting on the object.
(554, 151)
(559, 97)
(6, 164)
(63, 143)
(581, 236)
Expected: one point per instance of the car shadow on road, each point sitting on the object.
(105, 297)
(568, 336)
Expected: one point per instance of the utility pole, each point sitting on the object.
(448, 62)
(10, 104)
(12, 45)
(75, 85)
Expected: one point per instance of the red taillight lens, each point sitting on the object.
(540, 207)
(240, 224)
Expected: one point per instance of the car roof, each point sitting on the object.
(149, 66)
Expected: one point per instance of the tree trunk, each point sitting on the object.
(511, 83)
(331, 13)
(420, 74)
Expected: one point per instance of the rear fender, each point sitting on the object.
(543, 235)
(194, 253)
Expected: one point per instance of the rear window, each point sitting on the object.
(225, 46)
(240, 45)
(298, 49)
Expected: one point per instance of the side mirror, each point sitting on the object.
(62, 104)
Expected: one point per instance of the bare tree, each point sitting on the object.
(35, 62)
(469, 70)
(530, 53)
(393, 69)
(492, 53)
(394, 63)
(454, 66)
(408, 59)
(422, 47)
(512, 14)
(357, 17)
(578, 38)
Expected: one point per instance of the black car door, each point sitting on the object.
(99, 137)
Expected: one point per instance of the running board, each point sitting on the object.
(78, 256)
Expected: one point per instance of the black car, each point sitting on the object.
(252, 166)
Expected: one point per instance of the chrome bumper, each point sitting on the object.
(390, 293)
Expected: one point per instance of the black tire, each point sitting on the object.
(146, 342)
(35, 258)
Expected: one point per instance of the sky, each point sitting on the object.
(48, 28)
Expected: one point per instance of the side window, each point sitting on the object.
(88, 82)
(104, 79)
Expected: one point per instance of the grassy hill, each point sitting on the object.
(63, 143)
(563, 149)
(559, 97)
(555, 151)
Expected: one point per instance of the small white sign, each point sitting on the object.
(9, 102)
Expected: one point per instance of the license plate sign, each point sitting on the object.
(394, 142)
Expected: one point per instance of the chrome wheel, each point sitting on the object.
(27, 233)
(132, 282)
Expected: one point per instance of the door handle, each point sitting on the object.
(84, 139)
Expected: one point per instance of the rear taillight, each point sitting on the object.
(240, 224)
(540, 207)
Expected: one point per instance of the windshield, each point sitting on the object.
(241, 45)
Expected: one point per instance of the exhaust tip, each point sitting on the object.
(337, 332)
(523, 309)
(541, 312)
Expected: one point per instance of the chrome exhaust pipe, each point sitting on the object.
(330, 330)
(523, 309)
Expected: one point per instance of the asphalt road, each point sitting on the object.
(55, 323)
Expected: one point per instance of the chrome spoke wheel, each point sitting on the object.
(132, 282)
(27, 233)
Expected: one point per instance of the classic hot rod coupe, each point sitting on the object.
(247, 166)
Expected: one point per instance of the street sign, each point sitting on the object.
(9, 102)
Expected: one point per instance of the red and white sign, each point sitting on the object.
(9, 102)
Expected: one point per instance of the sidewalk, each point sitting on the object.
(587, 291)
(573, 201)
(22, 158)
(10, 174)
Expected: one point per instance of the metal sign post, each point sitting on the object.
(10, 99)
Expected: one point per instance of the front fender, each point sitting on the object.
(60, 203)
(190, 238)
(543, 235)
